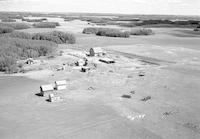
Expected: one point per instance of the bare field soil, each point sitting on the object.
(160, 74)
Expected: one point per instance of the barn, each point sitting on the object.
(46, 88)
(96, 51)
(61, 85)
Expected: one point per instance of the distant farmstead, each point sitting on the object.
(96, 51)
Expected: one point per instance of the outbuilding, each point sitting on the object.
(96, 51)
(60, 85)
(107, 60)
(46, 88)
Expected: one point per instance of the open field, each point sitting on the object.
(159, 73)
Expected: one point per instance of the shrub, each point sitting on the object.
(8, 20)
(56, 36)
(13, 49)
(141, 31)
(16, 26)
(4, 29)
(90, 30)
(112, 33)
(65, 37)
(46, 25)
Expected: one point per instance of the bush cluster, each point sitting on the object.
(90, 30)
(56, 36)
(112, 33)
(16, 26)
(46, 25)
(141, 31)
(109, 32)
(13, 49)
(4, 29)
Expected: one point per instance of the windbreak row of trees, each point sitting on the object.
(109, 32)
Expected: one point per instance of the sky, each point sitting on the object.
(167, 7)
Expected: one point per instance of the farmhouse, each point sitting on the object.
(46, 88)
(60, 85)
(96, 51)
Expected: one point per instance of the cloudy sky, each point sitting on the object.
(177, 7)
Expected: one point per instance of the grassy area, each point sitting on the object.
(16, 26)
(13, 49)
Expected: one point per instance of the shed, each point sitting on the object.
(53, 98)
(107, 60)
(46, 88)
(61, 85)
(96, 51)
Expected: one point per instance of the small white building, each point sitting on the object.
(60, 85)
(46, 88)
(96, 51)
(53, 98)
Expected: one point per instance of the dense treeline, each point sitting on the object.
(34, 20)
(109, 32)
(113, 33)
(13, 49)
(141, 31)
(19, 45)
(55, 36)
